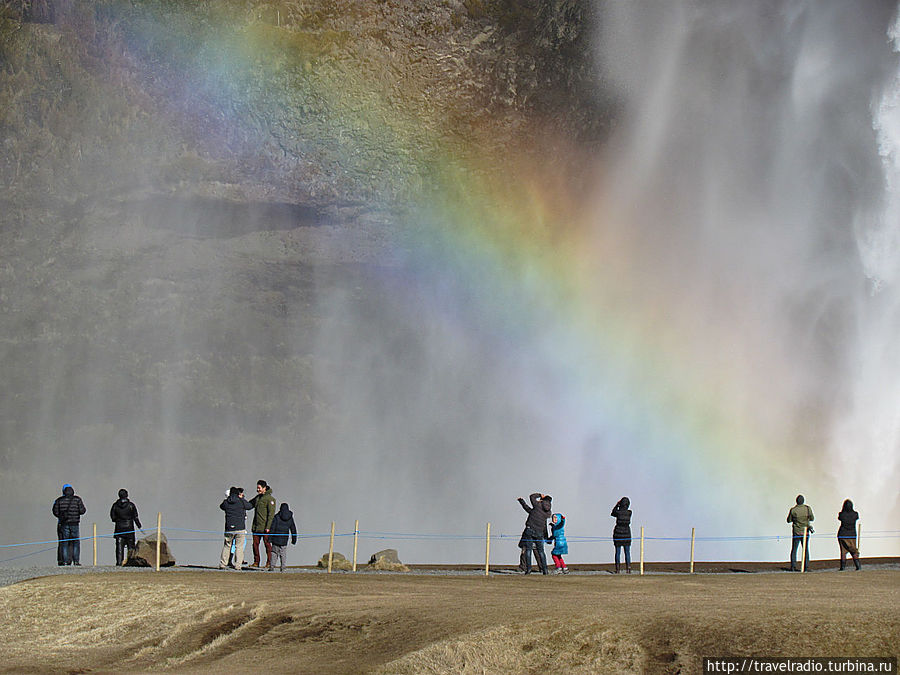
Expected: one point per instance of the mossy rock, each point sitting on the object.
(338, 562)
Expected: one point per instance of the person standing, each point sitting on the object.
(264, 503)
(800, 516)
(847, 533)
(535, 533)
(68, 510)
(282, 524)
(235, 508)
(124, 514)
(622, 532)
(560, 545)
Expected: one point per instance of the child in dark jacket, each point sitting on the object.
(282, 525)
(560, 545)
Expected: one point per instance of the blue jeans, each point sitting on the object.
(69, 549)
(627, 548)
(795, 543)
(534, 542)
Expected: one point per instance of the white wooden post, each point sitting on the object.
(487, 551)
(355, 541)
(331, 547)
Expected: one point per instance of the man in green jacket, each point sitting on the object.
(800, 516)
(264, 505)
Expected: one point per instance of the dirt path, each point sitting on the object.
(183, 621)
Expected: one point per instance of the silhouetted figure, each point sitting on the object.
(847, 533)
(622, 532)
(560, 545)
(264, 505)
(535, 533)
(124, 514)
(282, 525)
(68, 510)
(235, 508)
(800, 516)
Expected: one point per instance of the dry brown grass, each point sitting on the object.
(181, 621)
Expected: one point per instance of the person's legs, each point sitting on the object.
(806, 552)
(226, 550)
(524, 555)
(627, 558)
(618, 554)
(541, 556)
(240, 537)
(268, 545)
(120, 549)
(256, 539)
(63, 546)
(796, 539)
(75, 543)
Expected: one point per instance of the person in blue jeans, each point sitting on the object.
(535, 533)
(622, 532)
(800, 517)
(68, 510)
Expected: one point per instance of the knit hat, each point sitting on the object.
(65, 486)
(123, 494)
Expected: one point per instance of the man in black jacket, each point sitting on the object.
(235, 508)
(68, 510)
(124, 514)
(535, 532)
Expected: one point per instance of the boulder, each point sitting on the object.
(387, 560)
(338, 562)
(145, 553)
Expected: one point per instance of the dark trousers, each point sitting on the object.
(124, 541)
(268, 545)
(69, 549)
(796, 540)
(532, 541)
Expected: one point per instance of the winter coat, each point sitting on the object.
(69, 508)
(538, 514)
(622, 530)
(124, 514)
(265, 511)
(847, 530)
(282, 524)
(235, 512)
(800, 517)
(558, 535)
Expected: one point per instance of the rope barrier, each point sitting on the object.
(371, 534)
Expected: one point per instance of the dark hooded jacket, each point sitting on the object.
(235, 509)
(538, 514)
(848, 518)
(69, 508)
(124, 514)
(622, 529)
(282, 524)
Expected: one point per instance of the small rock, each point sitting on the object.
(338, 562)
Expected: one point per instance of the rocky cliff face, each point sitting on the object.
(201, 201)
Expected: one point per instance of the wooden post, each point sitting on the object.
(487, 551)
(159, 539)
(858, 536)
(692, 550)
(642, 550)
(803, 549)
(95, 544)
(331, 547)
(355, 541)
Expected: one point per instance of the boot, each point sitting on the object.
(618, 566)
(627, 568)
(856, 562)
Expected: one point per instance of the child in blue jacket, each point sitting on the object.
(560, 545)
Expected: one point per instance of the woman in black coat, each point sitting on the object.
(622, 532)
(847, 533)
(124, 514)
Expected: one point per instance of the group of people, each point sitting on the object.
(540, 512)
(68, 509)
(800, 516)
(271, 526)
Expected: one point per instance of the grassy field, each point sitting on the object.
(203, 622)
